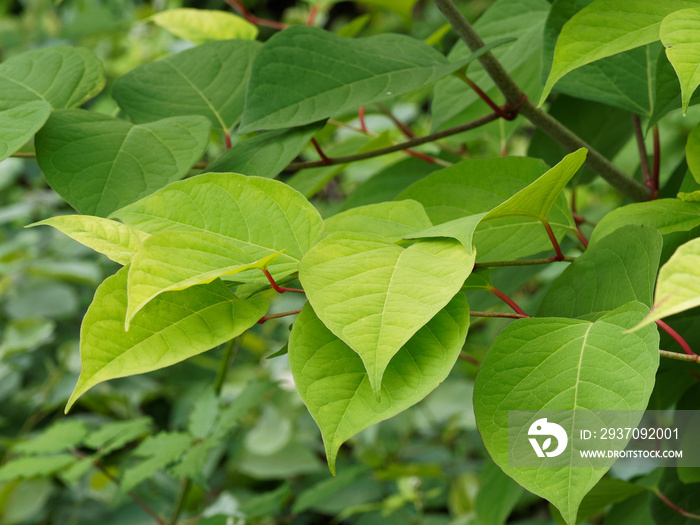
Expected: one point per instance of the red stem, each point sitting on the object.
(277, 316)
(408, 132)
(361, 117)
(503, 297)
(320, 152)
(506, 315)
(243, 10)
(312, 15)
(675, 507)
(643, 157)
(656, 165)
(682, 342)
(228, 139)
(483, 96)
(582, 238)
(276, 287)
(469, 359)
(422, 156)
(557, 249)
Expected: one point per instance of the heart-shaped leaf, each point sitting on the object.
(19, 124)
(563, 365)
(334, 385)
(63, 76)
(100, 164)
(175, 326)
(678, 34)
(374, 295)
(202, 25)
(207, 80)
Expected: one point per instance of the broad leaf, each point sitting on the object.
(100, 164)
(678, 288)
(461, 229)
(266, 154)
(667, 92)
(201, 25)
(63, 76)
(391, 220)
(374, 295)
(293, 83)
(692, 153)
(334, 385)
(563, 364)
(261, 212)
(117, 241)
(174, 260)
(605, 28)
(172, 328)
(208, 80)
(476, 186)
(678, 34)
(613, 271)
(19, 124)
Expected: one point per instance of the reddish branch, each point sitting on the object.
(560, 256)
(361, 118)
(469, 359)
(675, 507)
(327, 161)
(505, 112)
(243, 10)
(276, 287)
(277, 316)
(503, 297)
(506, 315)
(677, 337)
(656, 165)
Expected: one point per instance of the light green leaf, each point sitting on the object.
(63, 76)
(404, 8)
(497, 496)
(476, 186)
(175, 260)
(59, 437)
(461, 229)
(605, 28)
(678, 288)
(613, 271)
(374, 295)
(202, 25)
(692, 153)
(35, 466)
(693, 196)
(113, 436)
(208, 80)
(563, 364)
(667, 92)
(537, 199)
(172, 328)
(678, 33)
(479, 279)
(158, 452)
(332, 381)
(19, 124)
(391, 220)
(204, 414)
(266, 154)
(117, 241)
(100, 163)
(293, 83)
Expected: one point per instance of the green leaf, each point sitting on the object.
(304, 74)
(204, 414)
(100, 164)
(117, 241)
(678, 288)
(563, 364)
(113, 436)
(35, 466)
(59, 437)
(318, 494)
(476, 186)
(158, 452)
(391, 220)
(613, 271)
(667, 92)
(201, 25)
(208, 80)
(374, 295)
(605, 28)
(63, 76)
(692, 153)
(497, 496)
(332, 381)
(262, 212)
(460, 229)
(172, 327)
(403, 8)
(175, 260)
(678, 33)
(19, 124)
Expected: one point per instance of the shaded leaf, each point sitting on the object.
(19, 124)
(113, 436)
(678, 33)
(692, 153)
(201, 25)
(158, 452)
(460, 229)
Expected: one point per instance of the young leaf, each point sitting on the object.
(100, 163)
(304, 74)
(202, 25)
(613, 271)
(63, 76)
(207, 80)
(172, 328)
(607, 27)
(334, 385)
(261, 212)
(678, 288)
(563, 364)
(374, 295)
(678, 33)
(473, 187)
(19, 124)
(391, 220)
(460, 229)
(174, 260)
(117, 241)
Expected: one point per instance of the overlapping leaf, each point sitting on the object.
(201, 25)
(19, 124)
(63, 76)
(117, 241)
(175, 326)
(563, 364)
(374, 295)
(692, 153)
(334, 385)
(100, 164)
(678, 34)
(208, 80)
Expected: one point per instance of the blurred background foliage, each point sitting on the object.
(252, 454)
